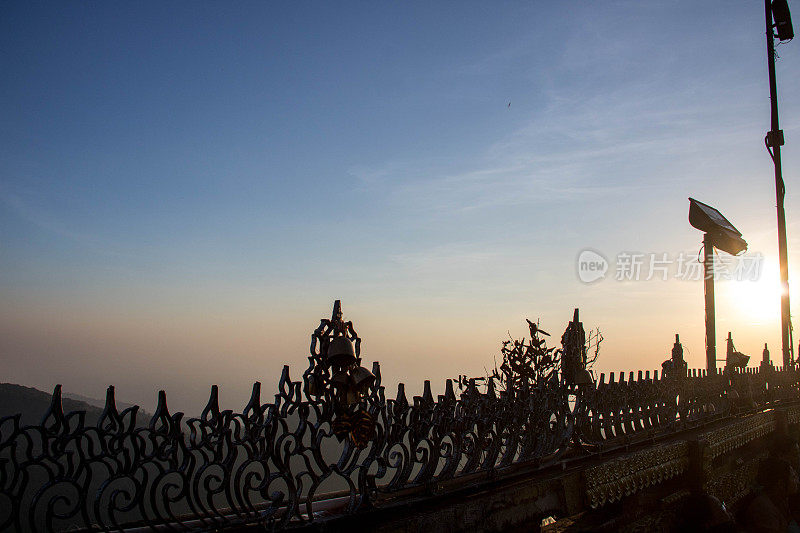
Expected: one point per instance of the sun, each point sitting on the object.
(758, 300)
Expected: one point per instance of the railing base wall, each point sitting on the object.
(638, 489)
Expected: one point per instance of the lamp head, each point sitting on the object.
(783, 20)
(723, 234)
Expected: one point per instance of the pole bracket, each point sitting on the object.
(774, 138)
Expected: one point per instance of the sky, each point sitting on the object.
(185, 188)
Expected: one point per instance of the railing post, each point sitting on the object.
(698, 465)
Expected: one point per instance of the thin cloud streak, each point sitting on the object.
(48, 223)
(551, 155)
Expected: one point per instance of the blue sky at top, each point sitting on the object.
(186, 176)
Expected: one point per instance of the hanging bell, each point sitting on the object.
(340, 379)
(340, 352)
(362, 378)
(352, 397)
(583, 378)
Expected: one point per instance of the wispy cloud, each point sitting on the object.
(571, 145)
(51, 224)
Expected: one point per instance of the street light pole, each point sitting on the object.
(774, 140)
(718, 232)
(708, 285)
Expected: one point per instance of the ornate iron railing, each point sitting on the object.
(334, 438)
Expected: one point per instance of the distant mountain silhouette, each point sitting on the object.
(97, 402)
(32, 404)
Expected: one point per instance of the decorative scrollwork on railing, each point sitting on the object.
(333, 443)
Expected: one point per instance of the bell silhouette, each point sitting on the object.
(583, 378)
(362, 378)
(340, 352)
(340, 379)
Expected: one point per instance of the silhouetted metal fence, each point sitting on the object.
(332, 442)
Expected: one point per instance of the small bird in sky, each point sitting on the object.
(509, 105)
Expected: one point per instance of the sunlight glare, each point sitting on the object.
(758, 300)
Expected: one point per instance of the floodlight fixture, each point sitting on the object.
(783, 20)
(723, 234)
(718, 233)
